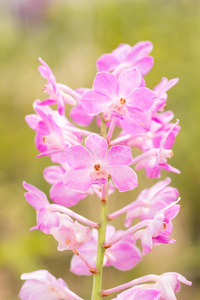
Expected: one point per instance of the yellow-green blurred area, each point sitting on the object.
(70, 36)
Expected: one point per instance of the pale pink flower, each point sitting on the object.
(160, 126)
(125, 56)
(159, 229)
(50, 215)
(55, 91)
(122, 98)
(160, 91)
(149, 201)
(94, 166)
(41, 285)
(70, 235)
(46, 217)
(66, 197)
(124, 255)
(155, 159)
(169, 284)
(164, 287)
(54, 133)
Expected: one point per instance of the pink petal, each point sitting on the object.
(124, 256)
(78, 157)
(107, 62)
(124, 177)
(79, 116)
(140, 50)
(110, 232)
(60, 195)
(119, 155)
(61, 105)
(78, 180)
(146, 241)
(33, 121)
(48, 102)
(122, 51)
(129, 80)
(152, 168)
(46, 220)
(35, 197)
(141, 98)
(183, 279)
(89, 252)
(43, 275)
(106, 83)
(53, 174)
(167, 292)
(171, 212)
(165, 85)
(78, 267)
(145, 64)
(138, 293)
(135, 122)
(169, 168)
(94, 103)
(97, 145)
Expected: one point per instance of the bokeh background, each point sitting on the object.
(70, 36)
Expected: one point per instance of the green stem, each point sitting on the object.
(97, 279)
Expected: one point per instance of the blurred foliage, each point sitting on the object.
(70, 36)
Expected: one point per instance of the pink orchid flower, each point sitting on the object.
(150, 201)
(40, 285)
(54, 133)
(124, 255)
(55, 91)
(46, 217)
(164, 287)
(70, 235)
(160, 91)
(93, 166)
(67, 197)
(169, 285)
(155, 159)
(50, 215)
(158, 229)
(151, 139)
(125, 56)
(122, 99)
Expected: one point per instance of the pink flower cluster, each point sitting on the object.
(94, 163)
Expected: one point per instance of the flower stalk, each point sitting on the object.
(97, 279)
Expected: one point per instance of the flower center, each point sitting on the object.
(52, 141)
(122, 101)
(97, 167)
(164, 225)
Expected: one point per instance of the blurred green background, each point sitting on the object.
(70, 36)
